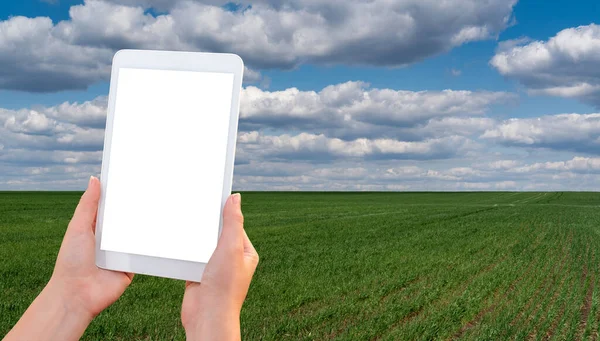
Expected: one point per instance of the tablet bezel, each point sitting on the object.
(176, 61)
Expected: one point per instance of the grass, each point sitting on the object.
(359, 266)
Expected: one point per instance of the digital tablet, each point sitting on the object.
(167, 164)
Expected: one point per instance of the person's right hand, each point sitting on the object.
(211, 309)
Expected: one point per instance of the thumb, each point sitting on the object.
(85, 213)
(232, 234)
(250, 253)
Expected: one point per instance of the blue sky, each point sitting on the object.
(433, 98)
(534, 19)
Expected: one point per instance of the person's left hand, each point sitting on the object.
(76, 275)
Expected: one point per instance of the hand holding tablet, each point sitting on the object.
(162, 203)
(210, 310)
(79, 290)
(168, 161)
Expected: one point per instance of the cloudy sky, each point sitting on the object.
(350, 95)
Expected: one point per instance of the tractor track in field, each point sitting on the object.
(462, 215)
(594, 333)
(543, 285)
(565, 327)
(510, 300)
(387, 296)
(533, 334)
(496, 297)
(307, 306)
(384, 298)
(557, 292)
(587, 303)
(500, 298)
(415, 313)
(400, 289)
(554, 325)
(347, 321)
(552, 329)
(319, 304)
(425, 223)
(461, 289)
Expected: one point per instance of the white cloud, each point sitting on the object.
(252, 76)
(463, 126)
(50, 176)
(87, 114)
(334, 122)
(566, 65)
(38, 56)
(439, 150)
(35, 130)
(34, 58)
(312, 162)
(49, 143)
(578, 173)
(353, 108)
(575, 132)
(322, 148)
(455, 72)
(24, 157)
(578, 164)
(499, 165)
(41, 56)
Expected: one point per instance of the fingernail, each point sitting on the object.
(236, 198)
(92, 179)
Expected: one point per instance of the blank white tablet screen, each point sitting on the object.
(164, 183)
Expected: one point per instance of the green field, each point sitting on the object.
(360, 266)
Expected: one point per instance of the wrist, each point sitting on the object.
(216, 324)
(53, 315)
(68, 301)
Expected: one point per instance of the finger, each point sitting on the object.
(130, 275)
(250, 255)
(190, 284)
(85, 213)
(249, 249)
(233, 224)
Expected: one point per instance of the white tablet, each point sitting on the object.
(167, 164)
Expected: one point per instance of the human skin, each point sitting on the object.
(211, 309)
(78, 290)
